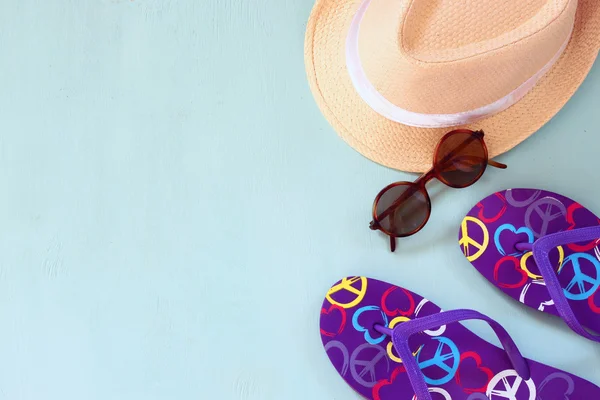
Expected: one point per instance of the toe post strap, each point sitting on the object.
(402, 332)
(541, 249)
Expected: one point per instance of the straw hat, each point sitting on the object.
(392, 76)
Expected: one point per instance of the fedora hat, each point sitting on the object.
(393, 76)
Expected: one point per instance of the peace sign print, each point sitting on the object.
(545, 213)
(368, 363)
(479, 239)
(508, 384)
(582, 285)
(349, 292)
(434, 368)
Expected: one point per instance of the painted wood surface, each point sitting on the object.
(174, 206)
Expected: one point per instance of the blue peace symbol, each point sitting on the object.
(439, 359)
(580, 279)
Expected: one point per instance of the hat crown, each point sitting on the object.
(438, 31)
(447, 56)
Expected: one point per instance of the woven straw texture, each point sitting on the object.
(442, 27)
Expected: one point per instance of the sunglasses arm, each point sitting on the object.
(393, 226)
(496, 164)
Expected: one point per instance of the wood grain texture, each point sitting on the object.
(174, 206)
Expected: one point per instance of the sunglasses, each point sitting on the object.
(403, 208)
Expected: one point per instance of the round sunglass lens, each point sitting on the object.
(460, 159)
(402, 209)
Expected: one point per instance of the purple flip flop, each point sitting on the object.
(541, 249)
(389, 343)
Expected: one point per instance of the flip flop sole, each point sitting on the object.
(457, 364)
(488, 234)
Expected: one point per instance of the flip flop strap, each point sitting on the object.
(402, 332)
(541, 251)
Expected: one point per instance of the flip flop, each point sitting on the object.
(541, 249)
(389, 343)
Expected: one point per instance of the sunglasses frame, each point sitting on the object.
(419, 184)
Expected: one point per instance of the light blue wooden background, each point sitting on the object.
(174, 207)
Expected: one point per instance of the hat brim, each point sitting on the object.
(410, 148)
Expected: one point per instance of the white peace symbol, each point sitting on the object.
(439, 331)
(510, 391)
(437, 390)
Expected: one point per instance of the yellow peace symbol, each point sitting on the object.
(561, 258)
(390, 345)
(346, 284)
(465, 241)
